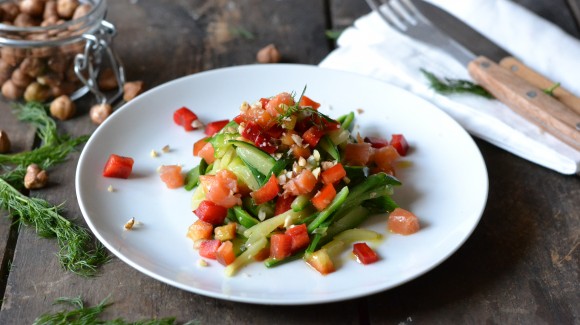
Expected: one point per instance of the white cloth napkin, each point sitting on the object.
(372, 48)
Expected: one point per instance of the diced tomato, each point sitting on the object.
(299, 235)
(321, 261)
(211, 212)
(207, 153)
(275, 131)
(274, 105)
(221, 188)
(333, 174)
(198, 145)
(307, 102)
(208, 248)
(280, 246)
(255, 134)
(312, 136)
(225, 253)
(171, 176)
(225, 232)
(283, 204)
(118, 166)
(403, 222)
(214, 127)
(185, 117)
(323, 198)
(384, 158)
(264, 102)
(258, 116)
(299, 151)
(377, 142)
(200, 230)
(400, 143)
(301, 184)
(267, 192)
(364, 254)
(357, 154)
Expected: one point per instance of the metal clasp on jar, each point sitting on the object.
(88, 64)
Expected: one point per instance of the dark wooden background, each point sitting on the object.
(520, 265)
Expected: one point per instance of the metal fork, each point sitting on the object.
(403, 16)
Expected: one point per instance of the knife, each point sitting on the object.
(477, 43)
(523, 96)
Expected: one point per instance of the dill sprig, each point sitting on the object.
(550, 91)
(296, 108)
(82, 314)
(78, 251)
(455, 86)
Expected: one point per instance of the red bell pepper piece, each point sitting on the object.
(299, 235)
(214, 127)
(377, 142)
(254, 133)
(323, 198)
(211, 212)
(400, 143)
(364, 254)
(185, 117)
(307, 102)
(283, 204)
(267, 192)
(312, 136)
(280, 246)
(333, 174)
(118, 166)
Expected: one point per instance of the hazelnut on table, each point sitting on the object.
(268, 54)
(35, 177)
(62, 108)
(5, 144)
(100, 112)
(132, 89)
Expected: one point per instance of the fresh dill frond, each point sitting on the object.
(36, 114)
(79, 252)
(45, 156)
(455, 86)
(333, 34)
(82, 314)
(296, 108)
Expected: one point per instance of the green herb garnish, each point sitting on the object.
(79, 252)
(294, 109)
(333, 34)
(550, 91)
(455, 86)
(82, 314)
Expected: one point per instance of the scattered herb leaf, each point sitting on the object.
(333, 34)
(550, 91)
(82, 314)
(451, 86)
(242, 32)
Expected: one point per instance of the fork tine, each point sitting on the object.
(384, 9)
(413, 12)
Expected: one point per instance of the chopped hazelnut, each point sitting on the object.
(5, 144)
(268, 54)
(100, 112)
(129, 224)
(35, 177)
(62, 108)
(132, 89)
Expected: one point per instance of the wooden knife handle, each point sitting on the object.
(536, 79)
(527, 100)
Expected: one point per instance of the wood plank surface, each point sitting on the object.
(519, 266)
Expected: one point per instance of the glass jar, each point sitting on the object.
(48, 50)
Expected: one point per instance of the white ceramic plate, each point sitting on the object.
(445, 184)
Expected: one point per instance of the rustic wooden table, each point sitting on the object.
(520, 265)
